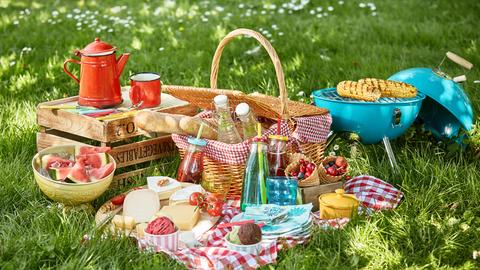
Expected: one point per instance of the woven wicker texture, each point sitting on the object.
(218, 176)
(312, 180)
(326, 178)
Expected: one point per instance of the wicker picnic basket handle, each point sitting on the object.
(271, 52)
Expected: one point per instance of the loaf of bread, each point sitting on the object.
(173, 123)
(351, 89)
(391, 88)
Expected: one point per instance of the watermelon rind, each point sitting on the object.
(78, 173)
(94, 160)
(59, 174)
(46, 161)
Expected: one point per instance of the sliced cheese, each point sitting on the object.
(181, 196)
(141, 205)
(123, 222)
(141, 229)
(185, 217)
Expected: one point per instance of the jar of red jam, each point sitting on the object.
(277, 155)
(191, 167)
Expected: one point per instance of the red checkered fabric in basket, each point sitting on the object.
(310, 129)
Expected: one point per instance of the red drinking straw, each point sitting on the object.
(279, 122)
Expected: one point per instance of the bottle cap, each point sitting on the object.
(197, 142)
(220, 99)
(242, 109)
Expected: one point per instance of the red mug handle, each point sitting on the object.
(136, 95)
(68, 72)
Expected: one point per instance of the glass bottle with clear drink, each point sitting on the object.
(256, 171)
(249, 120)
(227, 132)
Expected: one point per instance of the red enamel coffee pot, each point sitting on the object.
(100, 72)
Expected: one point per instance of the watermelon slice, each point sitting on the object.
(54, 161)
(78, 173)
(59, 174)
(84, 150)
(102, 172)
(94, 160)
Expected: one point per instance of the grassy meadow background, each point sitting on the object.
(319, 42)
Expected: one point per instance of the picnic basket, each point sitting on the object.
(226, 172)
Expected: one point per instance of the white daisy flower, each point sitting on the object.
(15, 22)
(312, 12)
(300, 94)
(241, 5)
(330, 8)
(110, 30)
(319, 9)
(336, 147)
(69, 15)
(55, 13)
(340, 2)
(219, 8)
(332, 153)
(161, 49)
(12, 63)
(319, 15)
(362, 5)
(76, 10)
(116, 9)
(280, 33)
(281, 10)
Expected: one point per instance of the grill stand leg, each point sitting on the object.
(391, 156)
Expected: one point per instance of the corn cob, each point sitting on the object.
(391, 88)
(355, 90)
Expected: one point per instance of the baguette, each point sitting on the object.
(173, 123)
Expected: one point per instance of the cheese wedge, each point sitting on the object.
(141, 205)
(164, 186)
(185, 217)
(181, 196)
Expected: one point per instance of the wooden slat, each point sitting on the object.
(143, 151)
(120, 129)
(80, 125)
(311, 194)
(124, 179)
(45, 140)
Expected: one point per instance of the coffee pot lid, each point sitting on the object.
(97, 48)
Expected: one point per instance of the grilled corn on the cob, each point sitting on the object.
(356, 90)
(391, 88)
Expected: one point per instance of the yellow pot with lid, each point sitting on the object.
(338, 205)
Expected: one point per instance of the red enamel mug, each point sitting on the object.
(145, 91)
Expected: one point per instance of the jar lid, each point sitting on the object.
(197, 142)
(278, 137)
(98, 48)
(339, 199)
(220, 99)
(242, 109)
(259, 139)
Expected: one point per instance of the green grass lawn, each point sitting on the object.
(436, 226)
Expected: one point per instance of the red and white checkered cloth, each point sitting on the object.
(373, 194)
(310, 129)
(215, 255)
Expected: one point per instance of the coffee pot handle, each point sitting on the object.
(68, 72)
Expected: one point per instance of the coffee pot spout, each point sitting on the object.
(121, 61)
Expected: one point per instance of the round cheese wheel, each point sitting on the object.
(141, 205)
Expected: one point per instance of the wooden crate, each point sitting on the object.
(130, 146)
(311, 194)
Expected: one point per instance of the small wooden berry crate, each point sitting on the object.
(132, 148)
